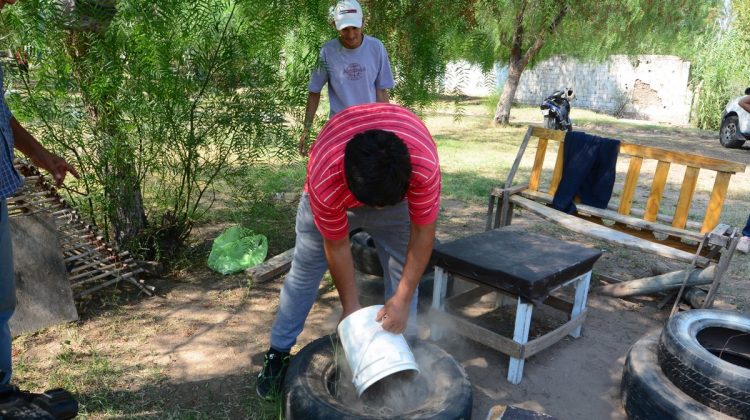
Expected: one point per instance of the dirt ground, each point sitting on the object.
(211, 333)
(203, 335)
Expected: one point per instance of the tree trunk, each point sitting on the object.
(126, 212)
(502, 112)
(519, 58)
(118, 173)
(119, 176)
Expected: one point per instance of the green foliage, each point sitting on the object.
(587, 29)
(418, 37)
(156, 103)
(598, 29)
(720, 70)
(521, 33)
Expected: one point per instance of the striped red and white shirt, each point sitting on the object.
(326, 183)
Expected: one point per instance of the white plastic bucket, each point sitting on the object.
(372, 352)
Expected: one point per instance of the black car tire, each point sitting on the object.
(687, 351)
(364, 253)
(307, 394)
(728, 131)
(648, 394)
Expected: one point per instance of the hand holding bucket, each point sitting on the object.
(371, 352)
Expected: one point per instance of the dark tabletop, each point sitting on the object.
(526, 264)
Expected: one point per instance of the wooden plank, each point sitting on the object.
(271, 268)
(631, 182)
(657, 190)
(681, 158)
(536, 170)
(716, 202)
(494, 222)
(621, 218)
(520, 336)
(439, 288)
(468, 297)
(476, 333)
(538, 344)
(576, 224)
(723, 266)
(498, 192)
(696, 226)
(559, 304)
(547, 133)
(504, 206)
(658, 284)
(490, 208)
(519, 156)
(582, 292)
(557, 172)
(717, 235)
(686, 196)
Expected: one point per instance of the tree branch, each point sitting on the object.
(541, 38)
(516, 45)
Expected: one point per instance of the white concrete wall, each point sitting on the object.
(644, 87)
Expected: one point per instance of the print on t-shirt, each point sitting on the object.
(354, 71)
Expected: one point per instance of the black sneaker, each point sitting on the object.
(271, 378)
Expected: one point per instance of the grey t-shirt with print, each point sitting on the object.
(353, 75)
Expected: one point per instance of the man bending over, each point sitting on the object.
(373, 166)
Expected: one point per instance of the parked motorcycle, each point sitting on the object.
(556, 110)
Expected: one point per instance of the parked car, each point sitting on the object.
(735, 124)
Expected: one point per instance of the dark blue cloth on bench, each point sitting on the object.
(589, 169)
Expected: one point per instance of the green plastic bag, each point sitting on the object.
(236, 249)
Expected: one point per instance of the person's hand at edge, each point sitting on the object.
(56, 166)
(394, 315)
(303, 149)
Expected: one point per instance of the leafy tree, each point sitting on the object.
(157, 101)
(722, 65)
(153, 100)
(419, 37)
(521, 32)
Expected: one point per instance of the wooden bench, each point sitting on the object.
(659, 228)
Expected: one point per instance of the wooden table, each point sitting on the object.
(525, 266)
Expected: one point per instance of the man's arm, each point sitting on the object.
(313, 100)
(744, 103)
(381, 95)
(395, 312)
(40, 156)
(340, 264)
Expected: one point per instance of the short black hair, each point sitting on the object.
(378, 168)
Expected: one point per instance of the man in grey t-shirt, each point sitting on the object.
(355, 66)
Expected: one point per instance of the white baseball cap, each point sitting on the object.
(347, 13)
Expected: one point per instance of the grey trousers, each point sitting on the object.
(389, 228)
(7, 293)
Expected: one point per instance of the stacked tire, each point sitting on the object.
(364, 253)
(366, 260)
(698, 367)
